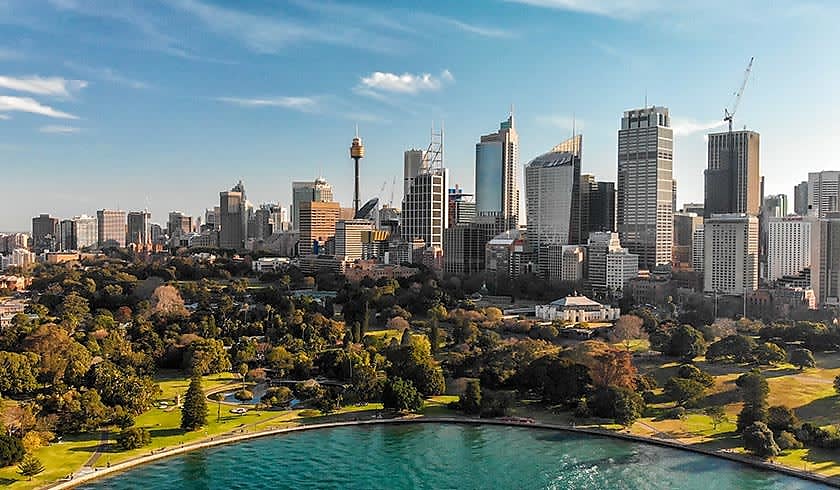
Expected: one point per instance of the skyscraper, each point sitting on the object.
(730, 253)
(645, 166)
(685, 226)
(180, 224)
(552, 196)
(317, 225)
(825, 259)
(139, 228)
(496, 163)
(424, 210)
(733, 181)
(111, 228)
(45, 231)
(601, 208)
(318, 190)
(824, 192)
(789, 246)
(414, 163)
(349, 238)
(800, 198)
(233, 218)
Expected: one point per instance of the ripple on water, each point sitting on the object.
(444, 456)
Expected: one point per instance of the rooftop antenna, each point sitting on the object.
(645, 98)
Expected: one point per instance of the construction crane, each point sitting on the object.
(729, 116)
(393, 184)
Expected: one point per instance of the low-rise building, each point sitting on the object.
(576, 309)
(361, 269)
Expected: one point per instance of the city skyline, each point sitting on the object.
(232, 110)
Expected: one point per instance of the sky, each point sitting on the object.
(161, 104)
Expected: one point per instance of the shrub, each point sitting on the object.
(133, 438)
(244, 395)
(758, 439)
(786, 440)
(623, 405)
(11, 450)
(677, 413)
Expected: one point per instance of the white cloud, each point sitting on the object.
(685, 127)
(10, 103)
(5, 117)
(608, 8)
(42, 85)
(407, 83)
(56, 129)
(302, 104)
(108, 75)
(561, 121)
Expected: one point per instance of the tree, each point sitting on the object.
(717, 414)
(194, 411)
(613, 368)
(738, 348)
(277, 396)
(470, 400)
(30, 466)
(74, 309)
(556, 379)
(686, 342)
(218, 397)
(11, 450)
(802, 358)
(122, 387)
(622, 404)
(781, 418)
(758, 439)
(133, 438)
(769, 353)
(401, 395)
(82, 412)
(754, 392)
(17, 373)
(627, 329)
(683, 390)
(206, 356)
(690, 371)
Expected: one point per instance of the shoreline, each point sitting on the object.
(225, 440)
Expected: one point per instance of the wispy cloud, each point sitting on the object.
(621, 9)
(108, 75)
(561, 121)
(57, 129)
(7, 54)
(685, 127)
(42, 85)
(407, 83)
(10, 103)
(302, 104)
(5, 117)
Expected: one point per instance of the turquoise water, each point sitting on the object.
(445, 456)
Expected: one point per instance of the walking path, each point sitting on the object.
(233, 438)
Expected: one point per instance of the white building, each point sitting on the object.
(425, 213)
(730, 262)
(788, 246)
(698, 243)
(576, 309)
(349, 237)
(823, 192)
(22, 258)
(621, 267)
(272, 264)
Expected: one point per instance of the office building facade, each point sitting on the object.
(645, 164)
(732, 178)
(730, 253)
(823, 192)
(233, 218)
(496, 165)
(800, 198)
(111, 228)
(425, 214)
(788, 246)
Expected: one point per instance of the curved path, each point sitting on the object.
(217, 441)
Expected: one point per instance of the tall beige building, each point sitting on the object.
(111, 225)
(730, 253)
(349, 237)
(317, 225)
(644, 204)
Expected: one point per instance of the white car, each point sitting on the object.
(238, 411)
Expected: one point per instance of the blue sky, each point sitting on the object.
(163, 103)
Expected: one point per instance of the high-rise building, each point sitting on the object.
(800, 198)
(318, 190)
(823, 192)
(730, 253)
(496, 164)
(44, 233)
(139, 228)
(464, 244)
(775, 206)
(685, 224)
(233, 218)
(825, 259)
(414, 163)
(424, 210)
(180, 225)
(212, 218)
(788, 247)
(111, 228)
(317, 225)
(645, 166)
(733, 181)
(350, 238)
(461, 206)
(610, 265)
(552, 196)
(698, 245)
(694, 207)
(66, 239)
(601, 208)
(674, 196)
